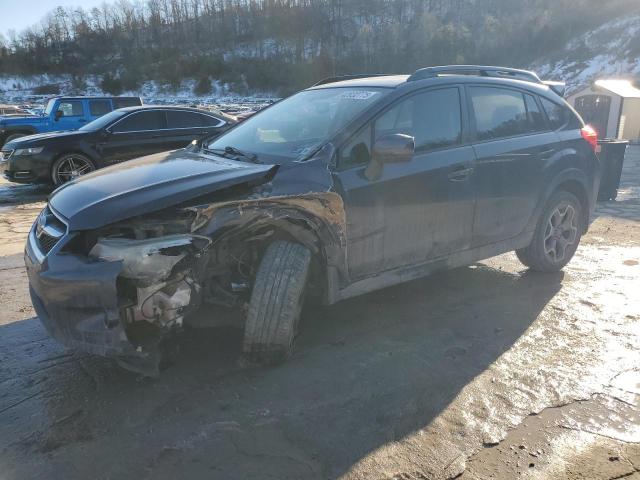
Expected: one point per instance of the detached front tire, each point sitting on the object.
(557, 234)
(276, 302)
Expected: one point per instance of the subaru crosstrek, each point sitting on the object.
(344, 188)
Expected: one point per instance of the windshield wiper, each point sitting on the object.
(234, 152)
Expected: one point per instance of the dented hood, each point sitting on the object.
(149, 184)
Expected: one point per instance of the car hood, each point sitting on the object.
(39, 137)
(149, 184)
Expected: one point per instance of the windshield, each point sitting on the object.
(48, 109)
(103, 121)
(293, 128)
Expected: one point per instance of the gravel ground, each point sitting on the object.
(488, 371)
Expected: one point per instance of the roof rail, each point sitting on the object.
(479, 70)
(341, 78)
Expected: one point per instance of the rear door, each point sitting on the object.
(416, 211)
(512, 144)
(133, 136)
(184, 126)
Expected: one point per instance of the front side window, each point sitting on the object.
(503, 113)
(433, 118)
(140, 122)
(103, 121)
(297, 126)
(71, 108)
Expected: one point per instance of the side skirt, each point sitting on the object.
(406, 274)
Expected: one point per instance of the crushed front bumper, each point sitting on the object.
(77, 301)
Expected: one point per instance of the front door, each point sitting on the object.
(70, 115)
(417, 211)
(134, 136)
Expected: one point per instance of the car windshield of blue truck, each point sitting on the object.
(295, 127)
(49, 108)
(103, 121)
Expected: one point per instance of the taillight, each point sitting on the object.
(591, 136)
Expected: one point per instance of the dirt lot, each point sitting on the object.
(488, 371)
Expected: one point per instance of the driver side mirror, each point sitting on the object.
(58, 115)
(394, 148)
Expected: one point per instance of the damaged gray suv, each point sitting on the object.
(347, 187)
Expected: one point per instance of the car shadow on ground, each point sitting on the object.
(367, 371)
(20, 194)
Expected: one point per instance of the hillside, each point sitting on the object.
(613, 49)
(206, 50)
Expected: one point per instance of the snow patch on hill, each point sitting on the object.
(20, 89)
(611, 50)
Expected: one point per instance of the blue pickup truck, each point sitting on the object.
(62, 113)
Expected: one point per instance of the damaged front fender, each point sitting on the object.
(317, 220)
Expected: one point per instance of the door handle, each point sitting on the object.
(157, 136)
(82, 120)
(460, 173)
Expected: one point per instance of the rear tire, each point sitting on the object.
(557, 234)
(276, 302)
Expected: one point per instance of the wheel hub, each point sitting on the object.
(561, 233)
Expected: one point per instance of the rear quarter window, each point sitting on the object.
(560, 116)
(185, 119)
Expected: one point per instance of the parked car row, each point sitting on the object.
(114, 137)
(12, 110)
(63, 113)
(341, 189)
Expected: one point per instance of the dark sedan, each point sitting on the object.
(115, 137)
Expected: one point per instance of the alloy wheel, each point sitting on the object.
(561, 232)
(72, 167)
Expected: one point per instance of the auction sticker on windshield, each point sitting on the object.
(358, 95)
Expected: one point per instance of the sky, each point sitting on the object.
(19, 14)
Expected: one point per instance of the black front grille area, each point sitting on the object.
(46, 242)
(49, 230)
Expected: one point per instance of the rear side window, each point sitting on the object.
(184, 119)
(534, 114)
(560, 117)
(121, 102)
(141, 121)
(71, 108)
(503, 113)
(99, 107)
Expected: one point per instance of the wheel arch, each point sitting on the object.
(575, 182)
(313, 220)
